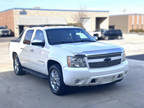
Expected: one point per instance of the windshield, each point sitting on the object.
(68, 35)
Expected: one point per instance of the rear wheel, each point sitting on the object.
(56, 83)
(17, 66)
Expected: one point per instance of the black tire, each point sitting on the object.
(57, 86)
(17, 66)
(119, 37)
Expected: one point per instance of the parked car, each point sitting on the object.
(96, 34)
(112, 34)
(67, 56)
(4, 31)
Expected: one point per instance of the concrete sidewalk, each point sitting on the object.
(5, 62)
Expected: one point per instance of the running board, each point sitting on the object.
(35, 73)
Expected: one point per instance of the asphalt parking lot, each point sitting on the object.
(31, 92)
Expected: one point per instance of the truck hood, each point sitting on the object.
(88, 47)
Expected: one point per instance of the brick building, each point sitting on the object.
(128, 22)
(17, 19)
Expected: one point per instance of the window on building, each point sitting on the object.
(142, 19)
(133, 20)
(137, 19)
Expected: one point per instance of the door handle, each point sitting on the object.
(22, 48)
(31, 50)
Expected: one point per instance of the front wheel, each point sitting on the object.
(56, 83)
(17, 66)
(119, 37)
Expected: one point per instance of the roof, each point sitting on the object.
(127, 14)
(54, 27)
(56, 10)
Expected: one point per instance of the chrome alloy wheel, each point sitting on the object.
(16, 65)
(55, 80)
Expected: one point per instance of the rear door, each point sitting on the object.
(25, 48)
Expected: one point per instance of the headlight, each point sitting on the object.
(76, 61)
(123, 56)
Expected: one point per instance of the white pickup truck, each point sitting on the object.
(67, 56)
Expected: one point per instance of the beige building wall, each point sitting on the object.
(68, 15)
(120, 22)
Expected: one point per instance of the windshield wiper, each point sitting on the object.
(86, 41)
(63, 42)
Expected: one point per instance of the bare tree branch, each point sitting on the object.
(79, 17)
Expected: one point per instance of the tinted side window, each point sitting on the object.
(28, 37)
(39, 36)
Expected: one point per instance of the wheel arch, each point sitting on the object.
(52, 62)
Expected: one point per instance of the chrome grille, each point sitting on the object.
(104, 55)
(104, 60)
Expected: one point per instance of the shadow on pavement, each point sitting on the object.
(137, 57)
(92, 89)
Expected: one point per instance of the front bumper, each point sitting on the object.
(87, 77)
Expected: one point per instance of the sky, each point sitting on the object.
(113, 6)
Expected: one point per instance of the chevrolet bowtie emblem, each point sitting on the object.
(107, 60)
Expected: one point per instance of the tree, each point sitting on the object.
(79, 17)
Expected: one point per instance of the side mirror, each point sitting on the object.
(38, 43)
